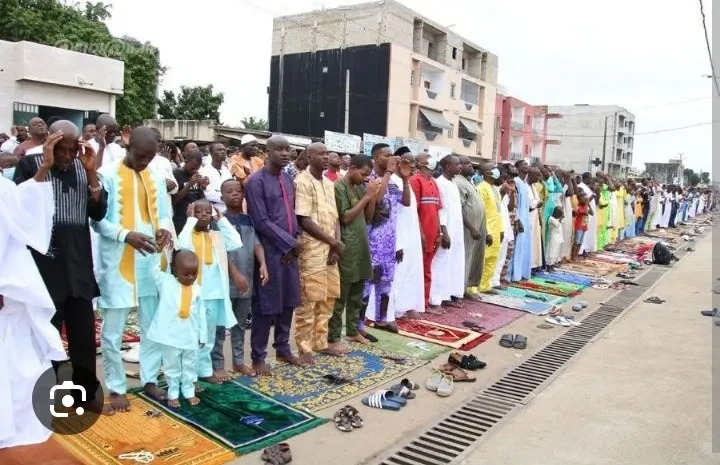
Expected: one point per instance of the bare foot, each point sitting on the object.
(306, 359)
(292, 359)
(389, 327)
(198, 388)
(340, 347)
(108, 410)
(332, 352)
(261, 369)
(155, 392)
(243, 370)
(359, 338)
(213, 380)
(221, 374)
(119, 402)
(193, 401)
(174, 403)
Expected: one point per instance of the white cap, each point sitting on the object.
(247, 139)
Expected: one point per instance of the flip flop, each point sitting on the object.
(402, 391)
(410, 385)
(558, 321)
(507, 340)
(446, 387)
(654, 300)
(473, 326)
(520, 342)
(433, 380)
(454, 304)
(383, 400)
(342, 421)
(458, 374)
(713, 313)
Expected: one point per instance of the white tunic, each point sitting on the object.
(446, 265)
(555, 242)
(509, 236)
(28, 341)
(216, 177)
(590, 242)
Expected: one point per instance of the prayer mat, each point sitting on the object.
(240, 418)
(489, 317)
(549, 287)
(132, 332)
(406, 346)
(532, 296)
(171, 441)
(366, 367)
(49, 452)
(565, 277)
(591, 268)
(522, 304)
(437, 333)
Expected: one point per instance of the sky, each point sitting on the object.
(644, 55)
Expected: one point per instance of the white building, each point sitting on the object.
(38, 80)
(592, 132)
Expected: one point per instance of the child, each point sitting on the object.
(179, 324)
(556, 240)
(241, 266)
(581, 223)
(211, 246)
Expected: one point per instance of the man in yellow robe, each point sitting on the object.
(495, 225)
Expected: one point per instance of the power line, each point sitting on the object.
(707, 43)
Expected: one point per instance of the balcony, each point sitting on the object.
(517, 125)
(516, 156)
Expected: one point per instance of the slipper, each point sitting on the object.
(473, 326)
(410, 385)
(545, 326)
(446, 387)
(458, 374)
(466, 362)
(278, 454)
(402, 391)
(654, 300)
(558, 321)
(355, 420)
(433, 380)
(454, 304)
(342, 421)
(520, 342)
(577, 307)
(507, 340)
(571, 320)
(381, 400)
(369, 336)
(336, 379)
(713, 313)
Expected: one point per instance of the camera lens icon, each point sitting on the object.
(67, 400)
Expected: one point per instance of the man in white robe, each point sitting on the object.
(590, 241)
(28, 341)
(450, 257)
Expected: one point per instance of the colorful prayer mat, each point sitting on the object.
(131, 334)
(549, 287)
(407, 346)
(437, 333)
(171, 441)
(240, 418)
(49, 452)
(566, 277)
(366, 367)
(591, 268)
(522, 304)
(532, 296)
(489, 317)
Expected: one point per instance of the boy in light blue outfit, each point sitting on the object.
(179, 325)
(211, 247)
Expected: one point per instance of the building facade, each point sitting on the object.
(672, 172)
(380, 68)
(38, 80)
(520, 130)
(587, 133)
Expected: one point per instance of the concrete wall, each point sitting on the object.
(48, 76)
(200, 131)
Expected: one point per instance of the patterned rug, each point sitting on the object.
(489, 317)
(305, 388)
(240, 418)
(169, 440)
(592, 268)
(566, 277)
(406, 346)
(132, 331)
(451, 336)
(549, 287)
(522, 304)
(528, 295)
(49, 452)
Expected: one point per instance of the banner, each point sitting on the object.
(343, 143)
(416, 146)
(369, 140)
(437, 152)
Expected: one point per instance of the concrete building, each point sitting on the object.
(672, 172)
(520, 130)
(380, 68)
(592, 132)
(38, 80)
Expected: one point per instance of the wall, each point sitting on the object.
(313, 91)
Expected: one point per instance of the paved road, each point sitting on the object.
(640, 395)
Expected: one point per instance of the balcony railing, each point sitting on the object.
(518, 125)
(516, 156)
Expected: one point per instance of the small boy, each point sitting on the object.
(241, 264)
(179, 324)
(581, 223)
(211, 247)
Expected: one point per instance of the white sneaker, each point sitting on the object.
(433, 382)
(446, 386)
(132, 355)
(557, 320)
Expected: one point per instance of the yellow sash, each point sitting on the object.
(203, 245)
(185, 301)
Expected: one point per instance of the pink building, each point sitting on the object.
(520, 130)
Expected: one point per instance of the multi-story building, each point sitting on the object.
(672, 172)
(520, 130)
(380, 68)
(593, 138)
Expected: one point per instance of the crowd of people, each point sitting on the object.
(201, 240)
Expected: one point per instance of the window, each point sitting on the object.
(528, 121)
(463, 64)
(430, 48)
(452, 90)
(412, 78)
(451, 131)
(527, 150)
(454, 53)
(426, 84)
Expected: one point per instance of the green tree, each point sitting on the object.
(705, 177)
(691, 177)
(51, 22)
(255, 124)
(194, 103)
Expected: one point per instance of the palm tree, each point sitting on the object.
(255, 124)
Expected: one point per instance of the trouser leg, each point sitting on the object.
(150, 352)
(80, 326)
(188, 359)
(304, 326)
(341, 304)
(111, 334)
(283, 322)
(323, 311)
(172, 364)
(355, 304)
(204, 362)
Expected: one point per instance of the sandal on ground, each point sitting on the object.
(402, 391)
(355, 420)
(507, 340)
(466, 362)
(389, 327)
(520, 342)
(342, 421)
(713, 313)
(383, 400)
(336, 379)
(473, 326)
(557, 320)
(410, 385)
(654, 300)
(433, 381)
(368, 336)
(446, 387)
(570, 319)
(458, 374)
(279, 454)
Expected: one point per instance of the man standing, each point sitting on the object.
(506, 193)
(216, 172)
(38, 133)
(345, 163)
(428, 197)
(320, 250)
(19, 134)
(495, 227)
(270, 202)
(248, 161)
(333, 171)
(475, 233)
(108, 152)
(382, 232)
(89, 132)
(446, 288)
(28, 341)
(67, 267)
(191, 185)
(355, 204)
(520, 264)
(590, 240)
(136, 226)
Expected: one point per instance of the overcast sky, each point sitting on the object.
(639, 54)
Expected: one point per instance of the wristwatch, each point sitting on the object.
(95, 190)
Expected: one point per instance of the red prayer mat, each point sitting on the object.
(449, 336)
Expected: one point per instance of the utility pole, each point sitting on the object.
(347, 101)
(604, 143)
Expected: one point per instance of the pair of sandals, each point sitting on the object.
(466, 362)
(441, 383)
(278, 454)
(385, 399)
(655, 300)
(513, 341)
(348, 419)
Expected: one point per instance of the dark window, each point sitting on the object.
(454, 53)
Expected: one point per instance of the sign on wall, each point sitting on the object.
(437, 152)
(416, 146)
(343, 143)
(371, 139)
